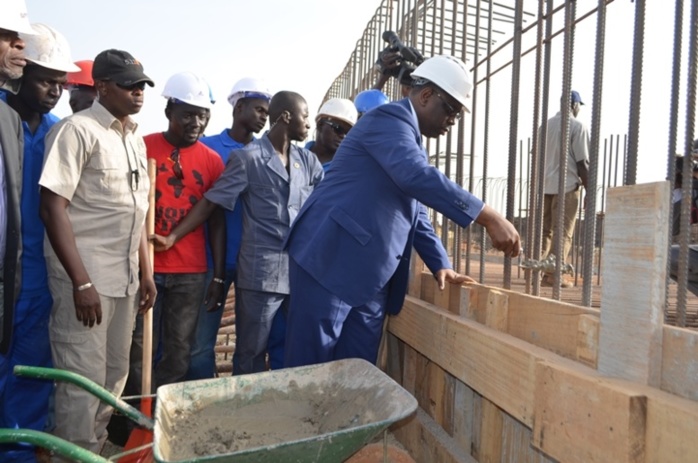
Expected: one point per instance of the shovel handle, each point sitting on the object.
(147, 359)
(87, 385)
(56, 444)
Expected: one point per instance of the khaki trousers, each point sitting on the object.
(550, 208)
(100, 353)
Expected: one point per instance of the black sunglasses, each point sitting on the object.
(177, 167)
(130, 88)
(451, 112)
(338, 129)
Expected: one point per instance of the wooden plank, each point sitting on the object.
(586, 423)
(421, 389)
(490, 432)
(454, 298)
(588, 340)
(448, 400)
(495, 364)
(409, 369)
(497, 313)
(461, 300)
(634, 271)
(477, 306)
(439, 403)
(463, 411)
(516, 444)
(427, 442)
(428, 286)
(442, 297)
(671, 430)
(435, 393)
(395, 357)
(477, 419)
(476, 293)
(414, 287)
(545, 323)
(680, 362)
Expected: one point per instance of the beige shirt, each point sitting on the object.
(578, 151)
(100, 167)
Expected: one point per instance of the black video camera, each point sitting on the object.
(398, 60)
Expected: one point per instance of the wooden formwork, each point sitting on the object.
(502, 376)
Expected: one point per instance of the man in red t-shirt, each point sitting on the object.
(186, 169)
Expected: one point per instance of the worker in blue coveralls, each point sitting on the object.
(273, 178)
(249, 98)
(350, 245)
(24, 403)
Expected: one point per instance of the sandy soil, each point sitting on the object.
(274, 417)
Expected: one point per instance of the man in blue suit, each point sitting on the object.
(350, 245)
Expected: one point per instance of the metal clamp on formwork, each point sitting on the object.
(546, 265)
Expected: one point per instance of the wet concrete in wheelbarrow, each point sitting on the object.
(274, 417)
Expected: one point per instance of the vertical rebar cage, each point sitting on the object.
(524, 56)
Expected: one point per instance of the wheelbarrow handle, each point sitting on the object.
(89, 386)
(56, 444)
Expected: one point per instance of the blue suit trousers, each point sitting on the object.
(322, 327)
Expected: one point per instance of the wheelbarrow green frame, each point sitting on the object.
(90, 386)
(48, 441)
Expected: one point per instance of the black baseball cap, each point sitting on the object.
(119, 66)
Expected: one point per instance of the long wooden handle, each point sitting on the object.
(147, 368)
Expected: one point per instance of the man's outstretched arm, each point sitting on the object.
(196, 216)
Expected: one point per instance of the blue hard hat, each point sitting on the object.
(369, 99)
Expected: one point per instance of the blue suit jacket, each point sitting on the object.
(355, 232)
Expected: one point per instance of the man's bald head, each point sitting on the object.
(288, 113)
(284, 101)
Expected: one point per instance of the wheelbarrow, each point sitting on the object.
(354, 400)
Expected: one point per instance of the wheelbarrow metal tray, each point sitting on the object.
(359, 400)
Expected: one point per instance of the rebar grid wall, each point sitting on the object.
(518, 52)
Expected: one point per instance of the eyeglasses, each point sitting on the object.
(130, 88)
(451, 112)
(177, 167)
(338, 129)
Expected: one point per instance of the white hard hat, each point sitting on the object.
(48, 48)
(450, 74)
(14, 17)
(339, 108)
(249, 87)
(188, 88)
